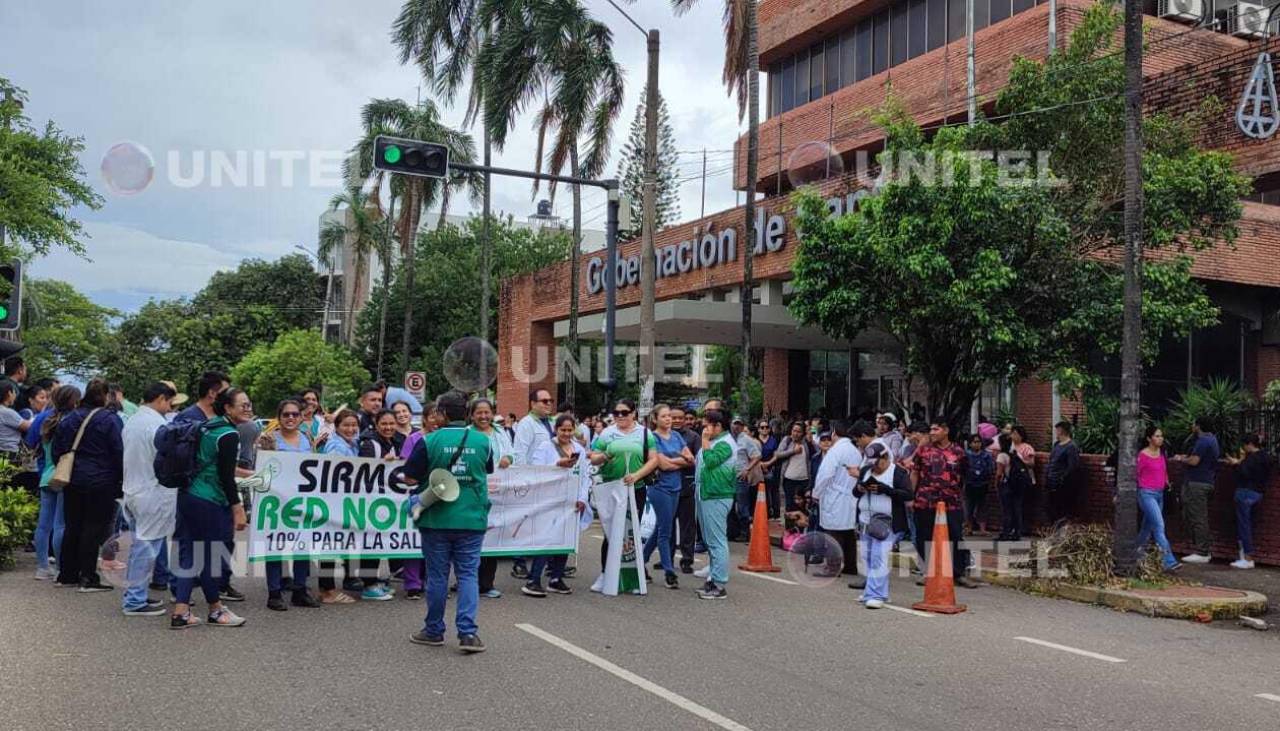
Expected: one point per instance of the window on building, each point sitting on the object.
(816, 57)
(898, 25)
(881, 43)
(937, 35)
(847, 54)
(787, 96)
(955, 20)
(999, 10)
(862, 51)
(1020, 5)
(802, 78)
(775, 90)
(981, 14)
(917, 27)
(831, 65)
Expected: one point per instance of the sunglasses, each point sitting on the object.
(290, 415)
(622, 412)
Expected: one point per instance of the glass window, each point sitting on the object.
(846, 58)
(898, 26)
(955, 19)
(880, 43)
(999, 10)
(787, 95)
(937, 23)
(981, 14)
(775, 80)
(862, 51)
(816, 57)
(802, 78)
(1020, 5)
(916, 28)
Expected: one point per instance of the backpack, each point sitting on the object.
(177, 451)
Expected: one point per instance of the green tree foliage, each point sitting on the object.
(178, 340)
(447, 291)
(296, 360)
(63, 330)
(1218, 403)
(982, 272)
(42, 180)
(631, 171)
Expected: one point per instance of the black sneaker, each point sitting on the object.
(858, 583)
(519, 571)
(570, 571)
(422, 638)
(533, 589)
(686, 568)
(275, 603)
(657, 565)
(471, 644)
(230, 594)
(352, 583)
(559, 587)
(94, 587)
(184, 621)
(672, 581)
(413, 594)
(711, 591)
(303, 599)
(145, 610)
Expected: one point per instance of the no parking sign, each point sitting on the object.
(415, 382)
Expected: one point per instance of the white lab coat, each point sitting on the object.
(152, 505)
(531, 433)
(833, 487)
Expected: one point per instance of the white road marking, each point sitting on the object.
(766, 577)
(1072, 650)
(1268, 697)
(905, 610)
(671, 697)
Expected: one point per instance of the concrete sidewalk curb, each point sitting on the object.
(1141, 601)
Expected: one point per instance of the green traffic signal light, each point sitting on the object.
(391, 154)
(4, 312)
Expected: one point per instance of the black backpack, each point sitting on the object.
(177, 452)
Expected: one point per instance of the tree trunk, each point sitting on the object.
(575, 256)
(386, 284)
(362, 267)
(1126, 511)
(749, 230)
(413, 211)
(486, 246)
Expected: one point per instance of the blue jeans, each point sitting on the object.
(460, 550)
(664, 512)
(1245, 500)
(745, 505)
(537, 564)
(713, 516)
(275, 575)
(161, 574)
(876, 554)
(50, 524)
(142, 557)
(1151, 504)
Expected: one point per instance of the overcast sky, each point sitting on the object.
(198, 82)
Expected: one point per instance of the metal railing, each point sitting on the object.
(1265, 423)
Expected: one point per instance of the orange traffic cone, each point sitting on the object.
(940, 588)
(759, 554)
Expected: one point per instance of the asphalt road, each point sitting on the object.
(778, 654)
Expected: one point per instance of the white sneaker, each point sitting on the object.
(46, 575)
(598, 585)
(874, 603)
(1195, 558)
(703, 572)
(1243, 563)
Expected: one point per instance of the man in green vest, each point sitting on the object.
(452, 533)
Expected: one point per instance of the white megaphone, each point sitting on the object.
(442, 487)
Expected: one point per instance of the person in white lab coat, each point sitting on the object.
(532, 432)
(152, 506)
(563, 451)
(833, 489)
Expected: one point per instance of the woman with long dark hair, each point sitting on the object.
(288, 438)
(51, 523)
(481, 413)
(382, 441)
(673, 457)
(628, 452)
(1153, 478)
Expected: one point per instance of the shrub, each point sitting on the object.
(1220, 403)
(18, 511)
(1271, 395)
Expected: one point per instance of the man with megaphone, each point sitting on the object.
(450, 467)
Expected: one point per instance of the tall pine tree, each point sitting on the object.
(631, 166)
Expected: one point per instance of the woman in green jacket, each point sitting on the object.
(716, 481)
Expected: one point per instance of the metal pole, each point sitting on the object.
(486, 245)
(386, 291)
(1053, 26)
(971, 82)
(610, 290)
(703, 213)
(648, 275)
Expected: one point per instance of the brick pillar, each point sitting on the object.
(1034, 409)
(1268, 368)
(526, 349)
(777, 380)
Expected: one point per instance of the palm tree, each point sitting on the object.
(422, 122)
(554, 53)
(742, 76)
(361, 231)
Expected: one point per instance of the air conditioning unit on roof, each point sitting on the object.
(1247, 20)
(1188, 10)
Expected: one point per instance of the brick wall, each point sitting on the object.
(1268, 365)
(526, 348)
(777, 376)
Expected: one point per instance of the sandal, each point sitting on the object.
(338, 597)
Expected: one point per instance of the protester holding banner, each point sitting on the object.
(673, 456)
(717, 480)
(380, 442)
(404, 419)
(625, 452)
(532, 432)
(481, 414)
(315, 423)
(563, 451)
(342, 442)
(453, 532)
(288, 438)
(209, 510)
(413, 569)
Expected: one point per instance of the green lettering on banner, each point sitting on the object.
(382, 513)
(353, 513)
(267, 517)
(291, 515)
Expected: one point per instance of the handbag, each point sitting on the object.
(66, 463)
(880, 527)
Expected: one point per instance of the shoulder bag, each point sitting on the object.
(66, 463)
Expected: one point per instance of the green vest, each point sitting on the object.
(471, 510)
(205, 484)
(717, 471)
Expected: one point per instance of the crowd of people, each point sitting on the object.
(865, 485)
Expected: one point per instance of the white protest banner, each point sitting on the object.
(616, 503)
(533, 512)
(331, 507)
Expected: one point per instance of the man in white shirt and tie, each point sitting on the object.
(150, 505)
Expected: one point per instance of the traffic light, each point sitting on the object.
(410, 157)
(11, 295)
